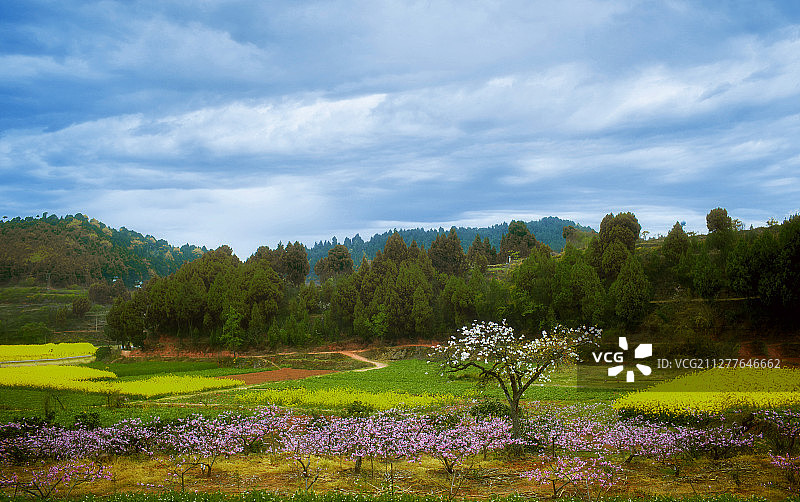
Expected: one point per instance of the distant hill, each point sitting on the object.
(548, 230)
(77, 250)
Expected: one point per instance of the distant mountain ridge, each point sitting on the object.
(75, 249)
(547, 230)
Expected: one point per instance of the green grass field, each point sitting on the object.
(137, 368)
(30, 314)
(559, 397)
(410, 376)
(418, 377)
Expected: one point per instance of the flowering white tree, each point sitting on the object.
(512, 360)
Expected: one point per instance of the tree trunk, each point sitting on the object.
(516, 420)
(516, 425)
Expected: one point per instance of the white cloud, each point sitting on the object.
(242, 217)
(292, 127)
(238, 129)
(438, 113)
(188, 51)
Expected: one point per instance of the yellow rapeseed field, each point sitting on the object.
(78, 378)
(716, 391)
(334, 398)
(45, 351)
(165, 385)
(83, 379)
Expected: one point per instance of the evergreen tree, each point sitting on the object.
(125, 323)
(578, 295)
(615, 241)
(530, 305)
(717, 220)
(518, 241)
(338, 262)
(707, 278)
(344, 301)
(361, 324)
(422, 312)
(447, 255)
(481, 254)
(676, 244)
(295, 263)
(258, 325)
(614, 257)
(232, 331)
(721, 231)
(80, 306)
(780, 285)
(395, 248)
(630, 292)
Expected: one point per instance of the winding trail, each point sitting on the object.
(376, 365)
(281, 374)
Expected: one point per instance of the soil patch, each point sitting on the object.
(276, 375)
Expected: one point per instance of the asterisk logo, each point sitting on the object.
(642, 351)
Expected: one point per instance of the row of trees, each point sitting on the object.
(410, 291)
(404, 291)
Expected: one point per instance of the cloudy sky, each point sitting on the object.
(249, 122)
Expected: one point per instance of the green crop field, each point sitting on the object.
(580, 425)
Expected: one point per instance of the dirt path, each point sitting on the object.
(277, 375)
(295, 374)
(375, 364)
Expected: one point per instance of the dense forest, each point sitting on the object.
(691, 290)
(548, 230)
(77, 250)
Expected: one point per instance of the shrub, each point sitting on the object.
(87, 420)
(80, 306)
(490, 409)
(359, 409)
(103, 353)
(34, 332)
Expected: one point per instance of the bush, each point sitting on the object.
(34, 332)
(62, 316)
(490, 409)
(87, 420)
(104, 353)
(100, 292)
(80, 306)
(359, 409)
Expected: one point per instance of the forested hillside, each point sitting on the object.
(548, 230)
(693, 293)
(78, 250)
(61, 251)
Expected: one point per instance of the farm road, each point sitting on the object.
(257, 378)
(375, 364)
(296, 374)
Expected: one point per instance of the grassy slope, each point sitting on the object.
(23, 308)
